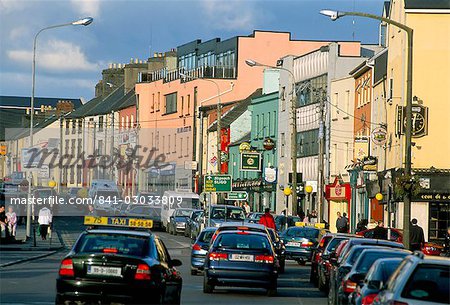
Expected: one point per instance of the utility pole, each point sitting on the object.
(112, 144)
(294, 146)
(320, 171)
(61, 135)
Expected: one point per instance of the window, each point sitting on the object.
(283, 144)
(283, 98)
(182, 106)
(181, 147)
(174, 143)
(66, 147)
(269, 125)
(79, 166)
(163, 146)
(347, 102)
(187, 147)
(307, 143)
(67, 126)
(391, 89)
(168, 144)
(100, 147)
(335, 110)
(171, 103)
(74, 126)
(261, 127)
(158, 102)
(100, 123)
(312, 90)
(153, 103)
(80, 125)
(188, 104)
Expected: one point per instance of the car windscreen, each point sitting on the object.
(182, 213)
(430, 283)
(113, 243)
(229, 213)
(144, 210)
(242, 241)
(368, 258)
(332, 245)
(303, 233)
(205, 236)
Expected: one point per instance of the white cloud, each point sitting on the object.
(56, 55)
(231, 15)
(9, 6)
(87, 7)
(18, 33)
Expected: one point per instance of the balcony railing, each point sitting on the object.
(200, 72)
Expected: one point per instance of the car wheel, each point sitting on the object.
(271, 292)
(207, 288)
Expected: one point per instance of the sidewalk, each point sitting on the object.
(23, 250)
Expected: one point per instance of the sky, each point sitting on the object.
(70, 59)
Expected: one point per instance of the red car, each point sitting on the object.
(428, 248)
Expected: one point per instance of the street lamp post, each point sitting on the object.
(408, 130)
(85, 21)
(253, 63)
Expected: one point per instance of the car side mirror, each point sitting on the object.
(357, 277)
(175, 263)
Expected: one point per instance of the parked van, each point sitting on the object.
(172, 200)
(102, 184)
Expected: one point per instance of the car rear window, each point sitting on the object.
(429, 283)
(205, 236)
(367, 260)
(332, 245)
(113, 243)
(303, 233)
(242, 241)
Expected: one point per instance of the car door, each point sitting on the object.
(173, 279)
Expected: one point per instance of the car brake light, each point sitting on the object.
(66, 268)
(142, 272)
(307, 244)
(349, 286)
(242, 233)
(242, 228)
(268, 259)
(196, 247)
(109, 250)
(368, 299)
(216, 256)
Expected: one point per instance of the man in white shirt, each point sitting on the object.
(45, 220)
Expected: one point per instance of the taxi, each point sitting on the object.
(118, 260)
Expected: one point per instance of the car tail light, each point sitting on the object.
(109, 250)
(307, 244)
(216, 256)
(66, 268)
(349, 286)
(268, 259)
(142, 272)
(242, 228)
(196, 247)
(317, 257)
(368, 299)
(242, 233)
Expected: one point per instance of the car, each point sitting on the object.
(233, 226)
(177, 223)
(316, 254)
(300, 242)
(105, 201)
(190, 223)
(395, 234)
(197, 225)
(172, 200)
(118, 265)
(199, 250)
(146, 212)
(324, 260)
(419, 280)
(357, 273)
(375, 280)
(242, 259)
(282, 220)
(347, 257)
(224, 213)
(254, 217)
(280, 249)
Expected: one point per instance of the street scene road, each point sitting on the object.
(34, 282)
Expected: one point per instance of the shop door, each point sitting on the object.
(376, 210)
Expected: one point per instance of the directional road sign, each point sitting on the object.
(217, 184)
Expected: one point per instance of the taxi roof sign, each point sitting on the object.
(132, 223)
(313, 225)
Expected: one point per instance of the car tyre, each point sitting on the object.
(207, 288)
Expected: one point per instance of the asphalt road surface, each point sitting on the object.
(34, 282)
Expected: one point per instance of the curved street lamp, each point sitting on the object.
(334, 15)
(252, 63)
(84, 21)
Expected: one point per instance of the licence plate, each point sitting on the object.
(293, 244)
(242, 258)
(107, 271)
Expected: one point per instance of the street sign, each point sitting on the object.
(251, 161)
(237, 196)
(217, 184)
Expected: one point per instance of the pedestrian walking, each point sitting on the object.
(362, 225)
(313, 217)
(416, 236)
(247, 208)
(380, 232)
(267, 219)
(44, 220)
(11, 218)
(342, 223)
(91, 211)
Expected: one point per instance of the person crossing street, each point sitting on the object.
(267, 219)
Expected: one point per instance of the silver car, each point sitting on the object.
(200, 248)
(419, 280)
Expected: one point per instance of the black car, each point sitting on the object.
(242, 259)
(143, 211)
(348, 257)
(280, 249)
(356, 275)
(118, 265)
(300, 242)
(376, 278)
(191, 222)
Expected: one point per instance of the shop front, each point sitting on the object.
(338, 195)
(261, 194)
